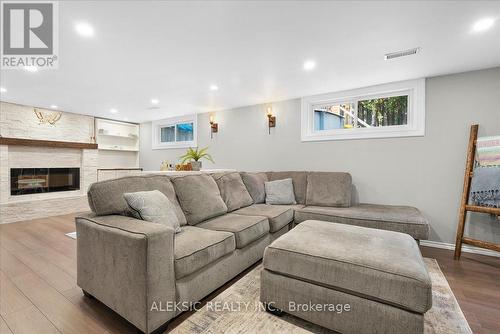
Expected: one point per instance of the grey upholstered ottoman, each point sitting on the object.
(347, 278)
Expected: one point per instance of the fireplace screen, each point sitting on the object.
(43, 180)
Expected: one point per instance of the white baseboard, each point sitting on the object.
(465, 248)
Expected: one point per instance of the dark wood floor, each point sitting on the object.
(38, 291)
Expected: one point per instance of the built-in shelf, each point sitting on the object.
(117, 136)
(114, 148)
(46, 143)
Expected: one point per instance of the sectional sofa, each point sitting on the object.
(148, 274)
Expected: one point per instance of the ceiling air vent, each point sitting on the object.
(403, 53)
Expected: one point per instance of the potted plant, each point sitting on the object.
(195, 156)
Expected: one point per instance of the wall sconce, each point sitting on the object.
(214, 127)
(270, 118)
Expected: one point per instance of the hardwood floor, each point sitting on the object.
(38, 291)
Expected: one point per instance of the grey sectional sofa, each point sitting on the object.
(148, 274)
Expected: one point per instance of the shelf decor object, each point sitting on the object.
(45, 117)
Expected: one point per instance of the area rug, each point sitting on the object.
(445, 316)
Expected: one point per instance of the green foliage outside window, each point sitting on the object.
(384, 111)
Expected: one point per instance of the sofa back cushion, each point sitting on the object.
(233, 190)
(299, 180)
(199, 197)
(106, 197)
(254, 182)
(329, 189)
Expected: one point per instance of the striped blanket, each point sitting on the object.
(488, 151)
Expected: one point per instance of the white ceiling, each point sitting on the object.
(253, 50)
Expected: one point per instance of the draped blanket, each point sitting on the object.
(485, 187)
(488, 151)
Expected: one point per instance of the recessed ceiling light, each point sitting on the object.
(113, 110)
(31, 68)
(53, 106)
(214, 87)
(84, 29)
(483, 24)
(3, 90)
(155, 101)
(309, 65)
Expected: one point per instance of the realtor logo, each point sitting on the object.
(29, 34)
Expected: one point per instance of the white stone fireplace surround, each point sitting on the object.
(31, 206)
(25, 142)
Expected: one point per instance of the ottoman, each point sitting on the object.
(350, 279)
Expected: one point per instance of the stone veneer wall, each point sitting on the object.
(18, 121)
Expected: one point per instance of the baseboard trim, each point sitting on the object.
(465, 248)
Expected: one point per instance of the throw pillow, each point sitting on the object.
(280, 192)
(255, 185)
(153, 206)
(232, 190)
(199, 197)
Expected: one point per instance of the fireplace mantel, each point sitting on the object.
(46, 143)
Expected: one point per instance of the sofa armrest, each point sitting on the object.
(127, 264)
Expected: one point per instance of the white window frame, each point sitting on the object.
(173, 121)
(415, 89)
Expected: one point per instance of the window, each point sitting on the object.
(175, 132)
(391, 110)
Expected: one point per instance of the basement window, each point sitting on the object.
(390, 110)
(176, 132)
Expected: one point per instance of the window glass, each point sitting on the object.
(167, 134)
(386, 111)
(184, 131)
(334, 116)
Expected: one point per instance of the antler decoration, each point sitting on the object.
(51, 118)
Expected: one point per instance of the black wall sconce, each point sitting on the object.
(271, 120)
(214, 127)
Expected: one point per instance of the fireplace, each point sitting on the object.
(43, 180)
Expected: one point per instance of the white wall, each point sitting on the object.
(426, 172)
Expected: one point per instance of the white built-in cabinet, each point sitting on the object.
(116, 136)
(118, 147)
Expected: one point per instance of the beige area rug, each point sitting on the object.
(445, 316)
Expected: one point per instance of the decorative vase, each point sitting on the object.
(196, 165)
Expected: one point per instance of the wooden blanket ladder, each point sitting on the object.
(464, 204)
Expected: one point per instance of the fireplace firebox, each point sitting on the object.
(25, 181)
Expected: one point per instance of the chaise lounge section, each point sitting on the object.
(137, 267)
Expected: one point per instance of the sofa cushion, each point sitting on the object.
(199, 197)
(403, 219)
(374, 264)
(194, 248)
(153, 206)
(255, 185)
(329, 189)
(233, 190)
(278, 215)
(245, 228)
(106, 197)
(299, 180)
(280, 192)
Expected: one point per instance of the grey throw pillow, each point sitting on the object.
(280, 192)
(153, 206)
